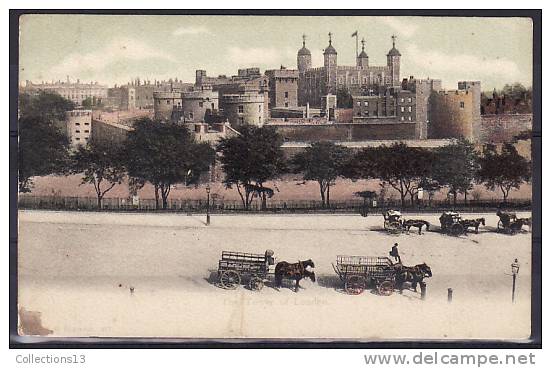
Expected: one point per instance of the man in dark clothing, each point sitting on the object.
(394, 253)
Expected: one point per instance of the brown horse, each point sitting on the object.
(413, 275)
(294, 271)
(473, 223)
(416, 223)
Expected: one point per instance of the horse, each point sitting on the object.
(473, 223)
(413, 275)
(294, 271)
(407, 224)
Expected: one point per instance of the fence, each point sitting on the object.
(293, 206)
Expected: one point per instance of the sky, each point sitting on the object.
(113, 49)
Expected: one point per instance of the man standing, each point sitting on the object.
(394, 253)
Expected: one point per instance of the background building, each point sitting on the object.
(74, 91)
(77, 126)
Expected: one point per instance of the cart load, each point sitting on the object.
(237, 267)
(393, 221)
(359, 272)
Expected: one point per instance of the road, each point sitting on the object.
(77, 270)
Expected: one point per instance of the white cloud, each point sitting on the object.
(400, 26)
(464, 66)
(181, 31)
(119, 50)
(265, 56)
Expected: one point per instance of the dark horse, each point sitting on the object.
(294, 271)
(416, 223)
(473, 223)
(413, 275)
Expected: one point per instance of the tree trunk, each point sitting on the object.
(465, 199)
(327, 197)
(156, 196)
(454, 199)
(403, 199)
(322, 192)
(412, 198)
(100, 206)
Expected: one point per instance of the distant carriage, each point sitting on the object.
(393, 221)
(510, 223)
(451, 223)
(234, 268)
(360, 272)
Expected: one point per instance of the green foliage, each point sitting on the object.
(250, 159)
(456, 166)
(344, 98)
(43, 148)
(323, 162)
(403, 168)
(101, 166)
(505, 170)
(164, 154)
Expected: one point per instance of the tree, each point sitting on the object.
(505, 170)
(101, 165)
(402, 167)
(43, 148)
(250, 159)
(456, 166)
(323, 162)
(164, 154)
(344, 98)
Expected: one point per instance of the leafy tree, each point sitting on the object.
(43, 148)
(344, 98)
(164, 154)
(456, 166)
(505, 170)
(250, 159)
(403, 168)
(101, 166)
(323, 162)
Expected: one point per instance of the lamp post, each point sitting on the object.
(514, 271)
(208, 204)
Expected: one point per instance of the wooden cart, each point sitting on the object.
(234, 268)
(360, 272)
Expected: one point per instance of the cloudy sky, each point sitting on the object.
(114, 49)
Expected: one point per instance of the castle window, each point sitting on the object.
(402, 99)
(462, 104)
(86, 131)
(409, 118)
(402, 118)
(77, 123)
(409, 100)
(240, 109)
(359, 103)
(286, 94)
(77, 131)
(259, 108)
(168, 102)
(241, 121)
(366, 103)
(286, 104)
(200, 103)
(402, 109)
(409, 108)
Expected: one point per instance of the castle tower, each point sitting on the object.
(393, 63)
(304, 62)
(362, 60)
(330, 64)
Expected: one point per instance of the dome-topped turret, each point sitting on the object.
(304, 51)
(394, 51)
(330, 50)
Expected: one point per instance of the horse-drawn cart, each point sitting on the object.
(359, 272)
(393, 221)
(236, 267)
(451, 223)
(510, 223)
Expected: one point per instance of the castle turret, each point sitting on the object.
(393, 62)
(362, 60)
(304, 57)
(330, 64)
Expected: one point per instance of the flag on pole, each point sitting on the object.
(355, 34)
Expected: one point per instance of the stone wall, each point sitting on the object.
(347, 132)
(502, 128)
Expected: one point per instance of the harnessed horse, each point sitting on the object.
(413, 275)
(294, 271)
(416, 223)
(474, 223)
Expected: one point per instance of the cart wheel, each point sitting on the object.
(256, 283)
(500, 226)
(386, 288)
(457, 229)
(230, 279)
(355, 285)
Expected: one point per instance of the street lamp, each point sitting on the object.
(514, 271)
(208, 204)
